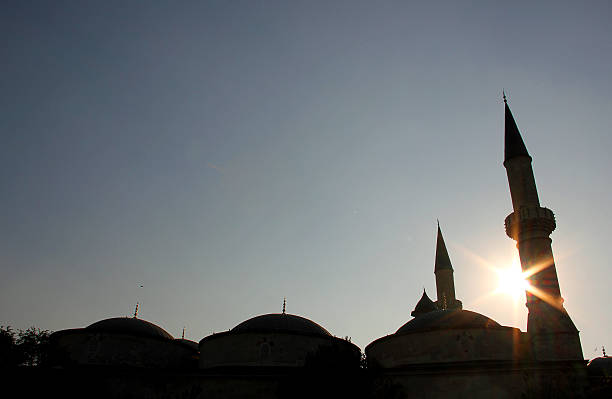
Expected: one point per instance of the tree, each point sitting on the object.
(9, 356)
(33, 344)
(23, 347)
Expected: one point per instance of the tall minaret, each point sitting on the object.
(553, 334)
(445, 282)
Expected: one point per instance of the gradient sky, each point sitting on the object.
(226, 154)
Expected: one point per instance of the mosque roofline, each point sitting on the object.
(222, 334)
(281, 322)
(395, 335)
(84, 330)
(129, 326)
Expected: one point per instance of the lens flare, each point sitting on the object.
(511, 281)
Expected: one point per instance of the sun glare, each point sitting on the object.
(511, 281)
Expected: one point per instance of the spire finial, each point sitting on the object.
(136, 311)
(504, 96)
(284, 305)
(183, 335)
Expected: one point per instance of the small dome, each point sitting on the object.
(189, 343)
(448, 320)
(600, 366)
(425, 305)
(281, 322)
(130, 325)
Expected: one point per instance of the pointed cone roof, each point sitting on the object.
(442, 258)
(513, 145)
(425, 305)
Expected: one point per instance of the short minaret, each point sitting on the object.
(445, 282)
(553, 334)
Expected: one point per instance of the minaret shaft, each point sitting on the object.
(445, 287)
(538, 264)
(522, 182)
(531, 225)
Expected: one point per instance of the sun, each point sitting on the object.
(511, 281)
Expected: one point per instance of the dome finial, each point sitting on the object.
(603, 349)
(183, 335)
(284, 305)
(136, 311)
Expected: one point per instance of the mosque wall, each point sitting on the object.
(116, 382)
(505, 343)
(83, 347)
(494, 379)
(272, 349)
(474, 381)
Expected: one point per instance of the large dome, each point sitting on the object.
(130, 325)
(448, 320)
(281, 322)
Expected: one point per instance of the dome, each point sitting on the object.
(189, 343)
(281, 322)
(448, 320)
(600, 366)
(131, 326)
(425, 305)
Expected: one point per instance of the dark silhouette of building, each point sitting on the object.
(443, 351)
(600, 377)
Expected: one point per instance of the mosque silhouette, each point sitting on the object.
(443, 351)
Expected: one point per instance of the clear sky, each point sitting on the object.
(227, 154)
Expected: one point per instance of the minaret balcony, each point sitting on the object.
(530, 219)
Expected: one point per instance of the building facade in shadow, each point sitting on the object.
(443, 351)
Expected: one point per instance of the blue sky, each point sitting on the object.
(225, 155)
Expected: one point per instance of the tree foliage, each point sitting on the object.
(23, 347)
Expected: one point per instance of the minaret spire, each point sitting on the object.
(553, 333)
(513, 143)
(445, 282)
(442, 259)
